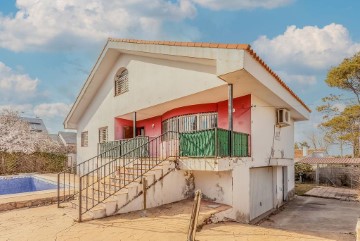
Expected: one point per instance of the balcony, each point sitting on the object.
(214, 143)
(206, 150)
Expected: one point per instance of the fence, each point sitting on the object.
(14, 163)
(333, 175)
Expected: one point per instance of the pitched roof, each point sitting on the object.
(68, 137)
(55, 137)
(245, 47)
(36, 124)
(330, 160)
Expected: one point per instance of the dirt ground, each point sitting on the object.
(169, 222)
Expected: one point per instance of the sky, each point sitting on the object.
(48, 47)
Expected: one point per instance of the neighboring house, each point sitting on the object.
(36, 124)
(68, 139)
(300, 154)
(55, 137)
(209, 95)
(331, 170)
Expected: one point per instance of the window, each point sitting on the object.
(189, 123)
(121, 82)
(84, 138)
(103, 134)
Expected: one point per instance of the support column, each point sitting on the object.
(230, 117)
(134, 124)
(317, 174)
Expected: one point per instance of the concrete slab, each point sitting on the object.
(345, 194)
(326, 218)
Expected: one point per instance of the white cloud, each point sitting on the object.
(50, 110)
(71, 23)
(53, 114)
(307, 80)
(21, 108)
(241, 4)
(12, 82)
(307, 48)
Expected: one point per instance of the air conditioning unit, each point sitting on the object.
(283, 117)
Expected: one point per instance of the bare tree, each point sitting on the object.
(16, 136)
(319, 140)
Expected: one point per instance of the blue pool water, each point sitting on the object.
(11, 185)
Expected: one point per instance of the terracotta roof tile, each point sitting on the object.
(232, 46)
(221, 46)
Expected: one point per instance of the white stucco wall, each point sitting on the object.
(151, 82)
(265, 136)
(217, 186)
(264, 132)
(171, 188)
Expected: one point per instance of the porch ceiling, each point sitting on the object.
(244, 84)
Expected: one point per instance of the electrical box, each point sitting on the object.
(283, 117)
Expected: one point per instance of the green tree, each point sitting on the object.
(343, 126)
(346, 76)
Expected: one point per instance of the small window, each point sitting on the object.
(121, 82)
(103, 134)
(84, 138)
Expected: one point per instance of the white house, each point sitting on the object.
(184, 116)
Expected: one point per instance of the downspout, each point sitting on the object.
(134, 125)
(230, 117)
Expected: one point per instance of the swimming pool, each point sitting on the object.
(20, 184)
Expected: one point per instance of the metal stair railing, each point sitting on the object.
(68, 179)
(103, 182)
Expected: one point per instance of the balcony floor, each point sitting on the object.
(214, 164)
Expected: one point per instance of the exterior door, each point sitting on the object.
(261, 191)
(127, 132)
(140, 131)
(285, 183)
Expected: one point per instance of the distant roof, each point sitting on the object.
(36, 124)
(68, 137)
(330, 160)
(54, 137)
(298, 153)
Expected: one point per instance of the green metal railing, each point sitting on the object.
(126, 146)
(214, 143)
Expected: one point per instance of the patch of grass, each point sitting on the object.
(302, 188)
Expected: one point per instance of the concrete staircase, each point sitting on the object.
(127, 199)
(117, 183)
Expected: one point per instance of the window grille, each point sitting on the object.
(84, 138)
(121, 83)
(103, 134)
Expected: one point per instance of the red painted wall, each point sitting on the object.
(119, 123)
(148, 125)
(242, 117)
(192, 109)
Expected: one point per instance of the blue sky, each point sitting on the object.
(47, 48)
